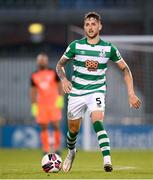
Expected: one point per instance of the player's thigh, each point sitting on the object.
(96, 106)
(42, 117)
(55, 114)
(76, 107)
(74, 125)
(55, 125)
(97, 116)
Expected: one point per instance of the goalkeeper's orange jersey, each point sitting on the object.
(46, 83)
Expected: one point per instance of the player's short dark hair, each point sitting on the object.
(92, 15)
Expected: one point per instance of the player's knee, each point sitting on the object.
(43, 127)
(73, 129)
(56, 126)
(74, 125)
(97, 115)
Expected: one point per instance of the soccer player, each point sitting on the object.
(47, 102)
(88, 87)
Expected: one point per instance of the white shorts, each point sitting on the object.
(77, 105)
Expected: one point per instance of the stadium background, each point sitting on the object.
(61, 23)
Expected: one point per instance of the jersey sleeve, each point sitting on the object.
(115, 54)
(70, 51)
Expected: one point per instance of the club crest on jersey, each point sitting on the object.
(102, 53)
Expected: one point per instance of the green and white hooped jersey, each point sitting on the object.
(90, 65)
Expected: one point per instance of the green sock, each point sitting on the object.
(71, 139)
(103, 139)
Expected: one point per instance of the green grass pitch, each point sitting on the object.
(127, 164)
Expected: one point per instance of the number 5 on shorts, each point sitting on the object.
(98, 101)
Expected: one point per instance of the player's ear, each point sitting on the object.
(100, 26)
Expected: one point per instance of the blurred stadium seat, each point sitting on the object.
(28, 4)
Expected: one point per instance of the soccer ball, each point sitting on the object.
(51, 163)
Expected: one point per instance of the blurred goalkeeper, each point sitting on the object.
(47, 102)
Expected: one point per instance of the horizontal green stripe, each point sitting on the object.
(87, 52)
(71, 147)
(82, 64)
(71, 144)
(84, 52)
(87, 87)
(88, 76)
(72, 135)
(104, 144)
(71, 139)
(106, 152)
(102, 136)
(91, 92)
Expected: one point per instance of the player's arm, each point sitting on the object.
(33, 96)
(60, 69)
(134, 101)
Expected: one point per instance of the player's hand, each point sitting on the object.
(67, 86)
(34, 109)
(60, 102)
(134, 101)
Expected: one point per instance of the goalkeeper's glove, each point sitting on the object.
(60, 102)
(34, 109)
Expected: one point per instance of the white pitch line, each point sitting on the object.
(124, 167)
